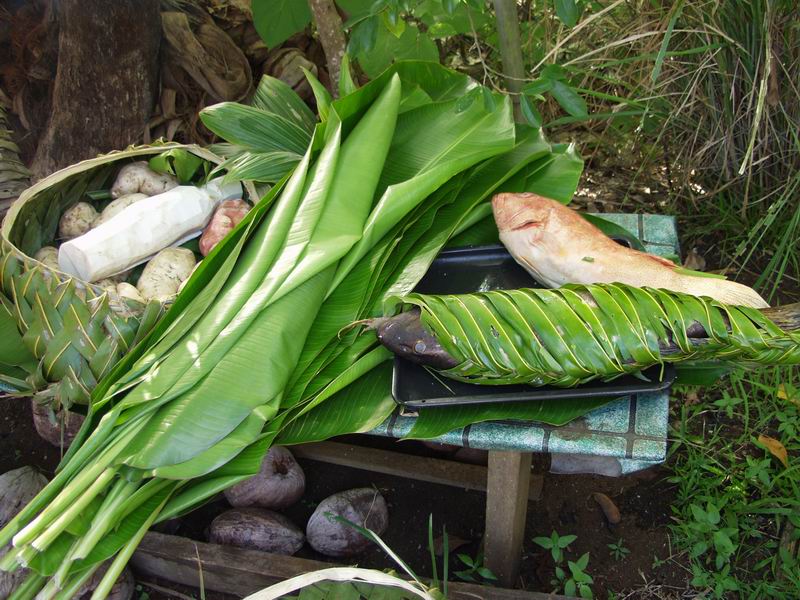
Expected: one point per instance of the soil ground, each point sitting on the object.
(566, 506)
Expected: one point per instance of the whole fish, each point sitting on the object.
(556, 246)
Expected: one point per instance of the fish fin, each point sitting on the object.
(692, 273)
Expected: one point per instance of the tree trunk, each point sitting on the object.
(331, 35)
(106, 82)
(510, 49)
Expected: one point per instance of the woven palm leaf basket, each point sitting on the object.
(77, 331)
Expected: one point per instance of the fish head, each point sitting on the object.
(525, 212)
(523, 220)
(530, 228)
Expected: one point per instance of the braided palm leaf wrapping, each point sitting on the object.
(76, 330)
(577, 333)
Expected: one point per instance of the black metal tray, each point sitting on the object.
(485, 268)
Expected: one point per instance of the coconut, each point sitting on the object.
(17, 488)
(58, 428)
(364, 507)
(256, 528)
(280, 482)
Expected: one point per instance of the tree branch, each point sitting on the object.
(331, 34)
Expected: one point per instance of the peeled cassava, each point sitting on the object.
(279, 483)
(117, 206)
(364, 507)
(258, 529)
(17, 488)
(58, 428)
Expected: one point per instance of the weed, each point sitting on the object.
(475, 570)
(618, 550)
(577, 581)
(556, 544)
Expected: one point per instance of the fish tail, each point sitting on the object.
(725, 291)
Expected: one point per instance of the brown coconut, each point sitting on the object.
(57, 428)
(17, 488)
(279, 483)
(364, 507)
(258, 529)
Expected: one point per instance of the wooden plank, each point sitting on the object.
(432, 470)
(506, 507)
(241, 572)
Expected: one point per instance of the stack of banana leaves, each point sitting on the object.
(254, 351)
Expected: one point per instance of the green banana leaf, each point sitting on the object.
(434, 422)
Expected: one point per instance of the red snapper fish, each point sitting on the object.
(556, 246)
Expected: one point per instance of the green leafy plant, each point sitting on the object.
(475, 570)
(618, 550)
(556, 544)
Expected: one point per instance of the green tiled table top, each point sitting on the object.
(631, 430)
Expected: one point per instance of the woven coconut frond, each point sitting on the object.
(578, 333)
(77, 331)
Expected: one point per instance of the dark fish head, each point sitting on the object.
(406, 336)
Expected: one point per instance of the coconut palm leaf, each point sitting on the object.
(575, 334)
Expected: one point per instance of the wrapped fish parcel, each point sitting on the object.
(141, 230)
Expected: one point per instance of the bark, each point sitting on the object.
(510, 49)
(106, 81)
(331, 35)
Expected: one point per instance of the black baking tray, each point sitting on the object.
(486, 268)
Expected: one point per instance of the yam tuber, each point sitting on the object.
(163, 275)
(48, 256)
(76, 221)
(139, 177)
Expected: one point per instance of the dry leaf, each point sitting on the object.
(453, 542)
(610, 509)
(775, 448)
(784, 394)
(694, 261)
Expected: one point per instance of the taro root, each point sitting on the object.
(58, 428)
(279, 483)
(17, 488)
(48, 256)
(364, 507)
(258, 529)
(138, 177)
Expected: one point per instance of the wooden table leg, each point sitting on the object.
(506, 505)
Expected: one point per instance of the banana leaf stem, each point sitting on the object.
(124, 555)
(29, 588)
(78, 485)
(52, 489)
(104, 520)
(58, 526)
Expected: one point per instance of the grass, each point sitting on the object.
(737, 511)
